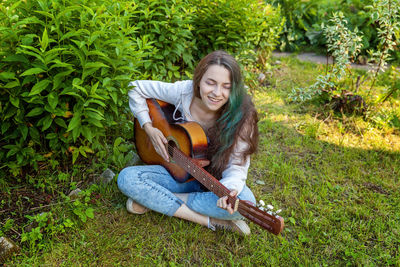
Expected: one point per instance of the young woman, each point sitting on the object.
(217, 100)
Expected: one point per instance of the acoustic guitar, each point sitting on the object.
(187, 145)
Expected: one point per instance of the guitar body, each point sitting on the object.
(189, 137)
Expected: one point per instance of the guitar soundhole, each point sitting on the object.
(171, 145)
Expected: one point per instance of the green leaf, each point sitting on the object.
(51, 136)
(90, 213)
(45, 40)
(16, 58)
(76, 132)
(76, 120)
(95, 122)
(12, 84)
(87, 133)
(24, 130)
(93, 115)
(47, 122)
(118, 141)
(52, 98)
(96, 101)
(4, 127)
(35, 112)
(34, 133)
(61, 122)
(39, 87)
(94, 88)
(14, 101)
(57, 79)
(82, 151)
(75, 155)
(32, 71)
(4, 76)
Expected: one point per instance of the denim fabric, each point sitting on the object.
(152, 186)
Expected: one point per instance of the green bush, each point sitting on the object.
(236, 26)
(167, 24)
(65, 65)
(304, 20)
(64, 70)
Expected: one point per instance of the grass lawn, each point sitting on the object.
(335, 178)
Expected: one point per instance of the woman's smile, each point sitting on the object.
(215, 88)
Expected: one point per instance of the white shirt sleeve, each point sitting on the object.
(235, 175)
(168, 92)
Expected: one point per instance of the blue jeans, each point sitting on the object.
(152, 186)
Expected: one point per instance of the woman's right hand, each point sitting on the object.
(158, 140)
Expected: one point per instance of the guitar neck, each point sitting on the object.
(247, 209)
(205, 178)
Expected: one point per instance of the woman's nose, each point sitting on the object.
(217, 90)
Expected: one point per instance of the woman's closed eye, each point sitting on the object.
(210, 82)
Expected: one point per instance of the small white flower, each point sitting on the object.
(270, 207)
(262, 204)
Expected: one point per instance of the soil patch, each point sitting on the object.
(19, 202)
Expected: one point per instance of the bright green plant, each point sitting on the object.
(43, 226)
(302, 17)
(119, 151)
(64, 70)
(167, 25)
(387, 14)
(80, 206)
(344, 45)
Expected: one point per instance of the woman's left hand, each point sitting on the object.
(223, 202)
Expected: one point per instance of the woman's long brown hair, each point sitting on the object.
(237, 118)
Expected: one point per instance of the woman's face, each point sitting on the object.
(215, 87)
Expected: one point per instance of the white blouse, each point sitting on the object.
(180, 94)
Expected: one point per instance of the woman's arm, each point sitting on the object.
(168, 92)
(235, 175)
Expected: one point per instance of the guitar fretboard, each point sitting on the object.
(209, 181)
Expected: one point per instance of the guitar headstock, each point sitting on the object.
(268, 219)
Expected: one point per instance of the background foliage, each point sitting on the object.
(304, 20)
(64, 72)
(238, 27)
(65, 65)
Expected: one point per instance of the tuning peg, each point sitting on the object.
(262, 203)
(270, 207)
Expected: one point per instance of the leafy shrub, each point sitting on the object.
(235, 26)
(344, 45)
(65, 65)
(304, 19)
(64, 71)
(167, 24)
